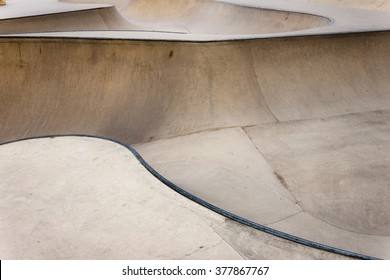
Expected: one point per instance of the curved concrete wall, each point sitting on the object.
(94, 19)
(212, 17)
(137, 91)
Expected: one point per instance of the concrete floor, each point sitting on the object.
(289, 132)
(88, 198)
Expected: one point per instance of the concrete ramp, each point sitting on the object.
(111, 208)
(289, 135)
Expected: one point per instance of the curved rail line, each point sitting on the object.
(208, 205)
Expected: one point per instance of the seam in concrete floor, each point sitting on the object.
(278, 175)
(200, 249)
(292, 215)
(210, 223)
(256, 125)
(258, 84)
(297, 202)
(283, 182)
(293, 121)
(230, 170)
(227, 243)
(325, 118)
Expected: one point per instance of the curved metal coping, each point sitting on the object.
(210, 206)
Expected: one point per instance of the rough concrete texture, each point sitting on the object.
(344, 161)
(87, 198)
(315, 178)
(225, 168)
(290, 132)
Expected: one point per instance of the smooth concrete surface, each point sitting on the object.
(76, 198)
(204, 20)
(224, 168)
(335, 171)
(92, 19)
(195, 16)
(87, 198)
(344, 161)
(213, 17)
(220, 85)
(290, 132)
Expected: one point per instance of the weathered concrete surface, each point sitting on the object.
(334, 170)
(195, 16)
(220, 84)
(77, 86)
(213, 17)
(225, 168)
(76, 198)
(84, 198)
(199, 111)
(204, 20)
(343, 161)
(92, 19)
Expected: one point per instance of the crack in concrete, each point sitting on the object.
(201, 248)
(256, 125)
(285, 218)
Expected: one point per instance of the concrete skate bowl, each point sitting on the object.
(287, 135)
(189, 17)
